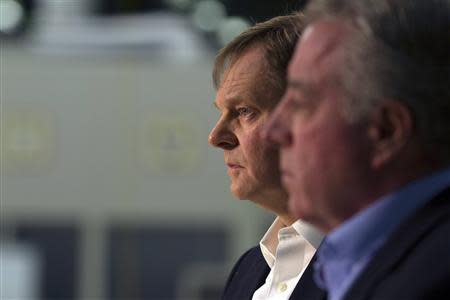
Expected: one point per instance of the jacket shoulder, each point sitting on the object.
(414, 263)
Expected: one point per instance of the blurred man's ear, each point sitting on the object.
(391, 128)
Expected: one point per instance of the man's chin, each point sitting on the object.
(240, 196)
(239, 193)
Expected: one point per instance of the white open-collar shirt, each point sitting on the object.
(287, 251)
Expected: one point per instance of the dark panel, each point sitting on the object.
(59, 248)
(257, 10)
(123, 7)
(144, 263)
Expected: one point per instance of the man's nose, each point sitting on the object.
(222, 137)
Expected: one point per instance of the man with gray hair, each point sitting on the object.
(364, 136)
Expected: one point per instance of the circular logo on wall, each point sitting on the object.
(170, 143)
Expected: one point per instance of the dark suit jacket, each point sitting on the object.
(414, 263)
(250, 272)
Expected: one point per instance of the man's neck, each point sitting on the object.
(287, 219)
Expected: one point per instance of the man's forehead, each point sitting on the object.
(244, 66)
(319, 47)
(236, 76)
(236, 83)
(322, 38)
(235, 88)
(245, 77)
(247, 82)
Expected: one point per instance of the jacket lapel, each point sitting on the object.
(250, 274)
(255, 277)
(306, 288)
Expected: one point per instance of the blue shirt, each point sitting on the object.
(346, 251)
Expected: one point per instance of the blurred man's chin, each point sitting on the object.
(298, 209)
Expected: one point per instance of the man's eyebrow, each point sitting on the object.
(232, 101)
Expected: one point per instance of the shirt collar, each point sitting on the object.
(278, 231)
(269, 242)
(311, 234)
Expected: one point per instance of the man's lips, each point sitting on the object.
(234, 166)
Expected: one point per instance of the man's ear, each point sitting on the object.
(391, 127)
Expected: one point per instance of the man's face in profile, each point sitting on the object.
(324, 158)
(245, 104)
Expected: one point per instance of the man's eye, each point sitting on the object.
(245, 111)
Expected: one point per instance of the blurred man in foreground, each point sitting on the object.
(250, 77)
(364, 130)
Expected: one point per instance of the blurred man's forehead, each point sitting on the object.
(318, 48)
(322, 38)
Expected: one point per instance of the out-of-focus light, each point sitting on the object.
(11, 15)
(230, 28)
(208, 14)
(180, 4)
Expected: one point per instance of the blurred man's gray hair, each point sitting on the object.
(403, 54)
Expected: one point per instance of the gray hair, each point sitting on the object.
(401, 51)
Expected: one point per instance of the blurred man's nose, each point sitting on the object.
(277, 130)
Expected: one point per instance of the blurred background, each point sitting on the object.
(108, 187)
